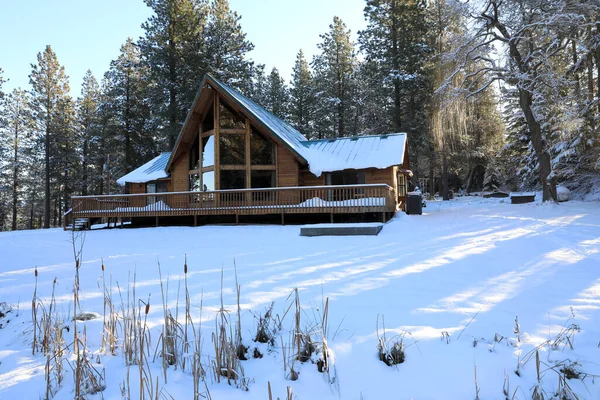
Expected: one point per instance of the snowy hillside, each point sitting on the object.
(448, 286)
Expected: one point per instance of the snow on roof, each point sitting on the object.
(359, 152)
(151, 171)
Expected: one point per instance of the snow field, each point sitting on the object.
(449, 283)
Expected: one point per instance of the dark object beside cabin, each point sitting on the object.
(496, 195)
(522, 198)
(414, 204)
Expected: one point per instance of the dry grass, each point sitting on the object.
(390, 351)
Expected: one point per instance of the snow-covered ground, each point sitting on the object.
(449, 282)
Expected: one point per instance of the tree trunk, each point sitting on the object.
(396, 67)
(47, 177)
(535, 133)
(431, 171)
(445, 193)
(15, 188)
(84, 169)
(172, 87)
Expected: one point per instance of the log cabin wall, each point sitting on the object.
(137, 188)
(375, 175)
(287, 168)
(180, 174)
(308, 179)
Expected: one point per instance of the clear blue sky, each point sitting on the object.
(87, 34)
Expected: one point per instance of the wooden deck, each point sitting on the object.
(346, 199)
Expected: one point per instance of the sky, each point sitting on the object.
(87, 34)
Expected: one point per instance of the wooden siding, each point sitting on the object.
(287, 168)
(308, 179)
(375, 175)
(180, 174)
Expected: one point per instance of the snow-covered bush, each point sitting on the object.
(562, 193)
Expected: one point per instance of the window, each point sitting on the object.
(262, 150)
(262, 179)
(230, 119)
(401, 184)
(232, 179)
(208, 181)
(194, 160)
(194, 182)
(209, 120)
(155, 187)
(232, 149)
(347, 177)
(208, 151)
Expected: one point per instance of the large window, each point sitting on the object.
(262, 150)
(230, 119)
(347, 177)
(208, 151)
(262, 179)
(208, 181)
(155, 187)
(195, 154)
(233, 179)
(233, 149)
(209, 120)
(194, 182)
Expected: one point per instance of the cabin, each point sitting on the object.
(233, 159)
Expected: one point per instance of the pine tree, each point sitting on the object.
(302, 96)
(126, 96)
(50, 88)
(15, 138)
(492, 179)
(227, 48)
(258, 89)
(334, 77)
(395, 43)
(173, 50)
(66, 159)
(277, 99)
(87, 115)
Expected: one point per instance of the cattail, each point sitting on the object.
(185, 265)
(103, 267)
(77, 263)
(36, 273)
(147, 308)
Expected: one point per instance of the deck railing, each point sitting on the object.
(287, 200)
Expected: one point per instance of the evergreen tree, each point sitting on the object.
(126, 95)
(173, 52)
(14, 139)
(50, 88)
(302, 96)
(334, 77)
(87, 115)
(66, 158)
(258, 90)
(492, 179)
(226, 48)
(395, 43)
(277, 99)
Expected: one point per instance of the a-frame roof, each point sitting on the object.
(280, 130)
(319, 155)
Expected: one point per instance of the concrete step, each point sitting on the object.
(364, 229)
